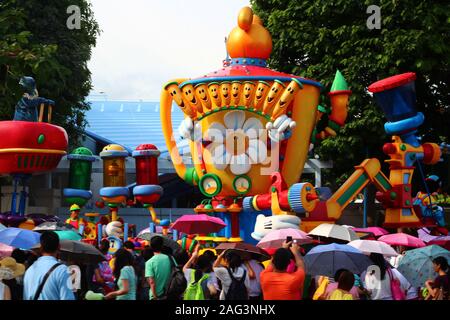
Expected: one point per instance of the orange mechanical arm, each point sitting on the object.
(369, 171)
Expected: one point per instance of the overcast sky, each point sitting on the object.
(145, 43)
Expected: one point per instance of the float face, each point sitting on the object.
(113, 157)
(78, 191)
(30, 147)
(232, 154)
(146, 156)
(80, 168)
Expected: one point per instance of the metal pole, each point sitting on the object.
(125, 232)
(14, 197)
(365, 208)
(99, 234)
(365, 198)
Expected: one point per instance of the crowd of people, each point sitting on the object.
(231, 275)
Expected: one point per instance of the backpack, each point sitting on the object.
(396, 289)
(176, 284)
(237, 289)
(194, 290)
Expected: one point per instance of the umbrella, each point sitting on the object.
(5, 250)
(376, 231)
(78, 252)
(402, 239)
(158, 229)
(372, 246)
(417, 266)
(244, 250)
(275, 238)
(19, 238)
(168, 242)
(426, 236)
(325, 260)
(53, 226)
(198, 223)
(334, 231)
(69, 235)
(441, 242)
(2, 227)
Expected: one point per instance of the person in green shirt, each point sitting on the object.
(125, 275)
(158, 270)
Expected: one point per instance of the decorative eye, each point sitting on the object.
(189, 91)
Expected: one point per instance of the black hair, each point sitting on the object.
(203, 266)
(129, 245)
(49, 242)
(122, 259)
(156, 243)
(233, 259)
(167, 250)
(346, 280)
(209, 267)
(19, 255)
(104, 246)
(210, 254)
(147, 253)
(281, 259)
(338, 274)
(441, 262)
(379, 261)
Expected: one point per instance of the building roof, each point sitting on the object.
(131, 123)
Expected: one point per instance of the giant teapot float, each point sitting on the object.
(249, 129)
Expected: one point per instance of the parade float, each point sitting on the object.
(29, 146)
(249, 129)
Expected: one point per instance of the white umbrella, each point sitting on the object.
(334, 231)
(372, 246)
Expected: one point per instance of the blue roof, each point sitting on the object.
(130, 123)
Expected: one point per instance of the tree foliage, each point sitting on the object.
(35, 40)
(314, 38)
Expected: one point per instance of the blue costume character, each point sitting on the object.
(26, 107)
(428, 202)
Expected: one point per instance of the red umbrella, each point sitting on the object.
(198, 223)
(402, 239)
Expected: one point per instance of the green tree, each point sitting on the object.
(52, 53)
(314, 38)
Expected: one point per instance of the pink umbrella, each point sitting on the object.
(5, 250)
(275, 239)
(376, 231)
(402, 239)
(198, 223)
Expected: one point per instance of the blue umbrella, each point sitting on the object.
(68, 235)
(19, 238)
(417, 264)
(325, 260)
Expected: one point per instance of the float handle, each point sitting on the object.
(166, 124)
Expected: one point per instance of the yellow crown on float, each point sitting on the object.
(249, 39)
